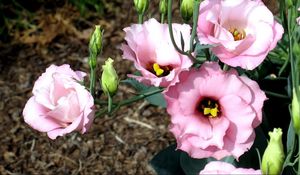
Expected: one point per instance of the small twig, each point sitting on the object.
(142, 124)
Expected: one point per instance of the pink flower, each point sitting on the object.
(243, 31)
(60, 104)
(150, 48)
(218, 167)
(214, 113)
(298, 19)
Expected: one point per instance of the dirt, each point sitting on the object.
(123, 143)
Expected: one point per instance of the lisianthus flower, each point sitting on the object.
(218, 167)
(60, 104)
(298, 19)
(243, 31)
(150, 48)
(214, 113)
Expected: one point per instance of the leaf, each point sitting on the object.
(167, 162)
(135, 84)
(290, 144)
(290, 138)
(250, 158)
(182, 41)
(156, 99)
(192, 166)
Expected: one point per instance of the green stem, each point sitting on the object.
(141, 18)
(92, 81)
(171, 28)
(195, 24)
(298, 153)
(115, 106)
(277, 95)
(207, 54)
(137, 98)
(225, 67)
(162, 18)
(110, 103)
(172, 35)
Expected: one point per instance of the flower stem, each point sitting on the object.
(298, 154)
(115, 106)
(162, 18)
(195, 24)
(277, 95)
(137, 98)
(141, 18)
(92, 81)
(172, 35)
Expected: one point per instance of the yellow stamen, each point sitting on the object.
(237, 34)
(211, 111)
(158, 71)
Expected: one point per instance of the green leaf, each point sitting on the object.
(290, 138)
(192, 166)
(182, 41)
(167, 162)
(290, 145)
(250, 158)
(135, 84)
(156, 99)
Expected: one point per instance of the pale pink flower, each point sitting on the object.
(243, 31)
(218, 167)
(298, 19)
(214, 113)
(150, 48)
(60, 104)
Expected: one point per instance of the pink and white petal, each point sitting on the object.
(238, 149)
(35, 115)
(241, 116)
(219, 127)
(263, 39)
(75, 125)
(278, 32)
(257, 100)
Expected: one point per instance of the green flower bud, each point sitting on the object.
(186, 9)
(141, 6)
(109, 78)
(289, 3)
(95, 44)
(273, 157)
(163, 7)
(296, 112)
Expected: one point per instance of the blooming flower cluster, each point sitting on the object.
(213, 112)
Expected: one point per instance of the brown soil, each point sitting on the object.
(120, 144)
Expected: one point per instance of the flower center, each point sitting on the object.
(237, 34)
(209, 108)
(160, 71)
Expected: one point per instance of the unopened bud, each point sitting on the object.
(273, 157)
(163, 7)
(186, 9)
(109, 78)
(289, 3)
(296, 112)
(141, 6)
(95, 44)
